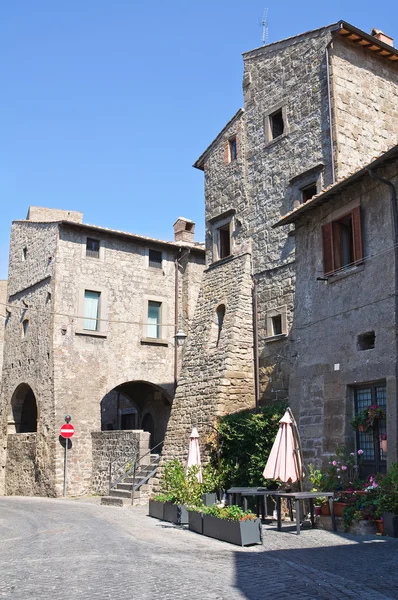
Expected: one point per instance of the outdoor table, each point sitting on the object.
(259, 493)
(297, 497)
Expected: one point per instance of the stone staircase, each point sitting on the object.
(121, 493)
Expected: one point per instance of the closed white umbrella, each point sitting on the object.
(194, 453)
(285, 461)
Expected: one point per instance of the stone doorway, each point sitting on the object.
(23, 414)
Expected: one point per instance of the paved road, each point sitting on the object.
(69, 550)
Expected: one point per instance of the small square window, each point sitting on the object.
(276, 325)
(92, 248)
(233, 149)
(155, 259)
(308, 192)
(366, 341)
(276, 123)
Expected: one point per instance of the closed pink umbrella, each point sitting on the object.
(285, 462)
(194, 453)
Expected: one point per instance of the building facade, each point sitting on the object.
(91, 319)
(344, 331)
(316, 106)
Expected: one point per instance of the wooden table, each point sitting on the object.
(298, 497)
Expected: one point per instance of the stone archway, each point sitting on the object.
(137, 405)
(23, 411)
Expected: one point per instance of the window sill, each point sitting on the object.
(276, 140)
(221, 261)
(98, 334)
(332, 278)
(276, 338)
(154, 342)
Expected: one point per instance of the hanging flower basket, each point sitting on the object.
(367, 417)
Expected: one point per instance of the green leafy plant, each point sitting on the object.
(365, 508)
(360, 421)
(182, 487)
(242, 443)
(342, 472)
(230, 513)
(317, 479)
(366, 418)
(388, 489)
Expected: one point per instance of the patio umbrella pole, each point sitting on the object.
(298, 450)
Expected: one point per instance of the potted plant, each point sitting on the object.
(375, 413)
(173, 497)
(389, 500)
(316, 478)
(195, 519)
(383, 442)
(360, 422)
(232, 524)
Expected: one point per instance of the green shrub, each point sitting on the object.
(388, 488)
(230, 513)
(242, 446)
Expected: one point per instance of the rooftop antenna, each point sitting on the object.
(264, 23)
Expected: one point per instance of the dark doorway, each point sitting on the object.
(148, 424)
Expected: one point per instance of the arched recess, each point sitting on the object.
(23, 414)
(127, 405)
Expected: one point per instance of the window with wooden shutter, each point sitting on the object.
(342, 242)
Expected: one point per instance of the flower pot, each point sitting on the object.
(390, 524)
(241, 533)
(175, 513)
(360, 493)
(195, 521)
(362, 428)
(209, 499)
(339, 508)
(318, 510)
(325, 509)
(380, 525)
(156, 509)
(383, 444)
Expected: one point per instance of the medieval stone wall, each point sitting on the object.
(3, 316)
(217, 371)
(365, 100)
(21, 479)
(116, 448)
(328, 317)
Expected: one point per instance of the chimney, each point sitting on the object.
(382, 37)
(184, 230)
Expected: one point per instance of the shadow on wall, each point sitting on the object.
(366, 567)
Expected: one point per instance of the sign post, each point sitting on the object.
(66, 432)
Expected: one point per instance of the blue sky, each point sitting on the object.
(105, 105)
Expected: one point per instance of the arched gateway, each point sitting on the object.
(137, 405)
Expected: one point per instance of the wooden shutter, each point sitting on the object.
(357, 234)
(226, 151)
(327, 238)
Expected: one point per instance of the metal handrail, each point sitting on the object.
(133, 460)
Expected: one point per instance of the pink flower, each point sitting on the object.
(371, 479)
(334, 463)
(360, 452)
(344, 468)
(337, 469)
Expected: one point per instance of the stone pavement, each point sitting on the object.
(65, 549)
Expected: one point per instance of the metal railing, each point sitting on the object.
(130, 468)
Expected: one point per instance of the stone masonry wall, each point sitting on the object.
(329, 316)
(89, 365)
(3, 314)
(21, 477)
(365, 101)
(117, 448)
(28, 360)
(216, 378)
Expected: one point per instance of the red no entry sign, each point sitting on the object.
(67, 430)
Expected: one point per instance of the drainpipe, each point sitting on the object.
(255, 345)
(330, 111)
(175, 320)
(394, 209)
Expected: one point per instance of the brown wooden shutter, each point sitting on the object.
(357, 234)
(328, 258)
(226, 151)
(237, 146)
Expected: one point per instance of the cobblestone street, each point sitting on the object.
(53, 549)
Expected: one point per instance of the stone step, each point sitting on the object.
(120, 493)
(113, 501)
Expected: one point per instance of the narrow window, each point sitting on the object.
(220, 321)
(25, 327)
(276, 124)
(276, 325)
(155, 259)
(373, 458)
(342, 242)
(92, 248)
(308, 192)
(233, 149)
(366, 341)
(91, 310)
(24, 253)
(224, 242)
(153, 328)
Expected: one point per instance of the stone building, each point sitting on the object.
(316, 106)
(92, 315)
(344, 331)
(3, 316)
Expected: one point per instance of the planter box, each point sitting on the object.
(209, 499)
(390, 524)
(195, 521)
(175, 513)
(156, 509)
(241, 533)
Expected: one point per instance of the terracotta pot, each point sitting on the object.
(360, 493)
(380, 525)
(383, 444)
(361, 428)
(325, 510)
(318, 510)
(339, 508)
